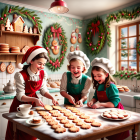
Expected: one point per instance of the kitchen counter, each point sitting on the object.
(11, 96)
(137, 97)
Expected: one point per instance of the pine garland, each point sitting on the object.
(125, 14)
(138, 47)
(55, 63)
(23, 13)
(95, 49)
(127, 74)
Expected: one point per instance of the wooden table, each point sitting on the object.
(108, 128)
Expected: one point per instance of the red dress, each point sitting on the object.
(30, 90)
(102, 97)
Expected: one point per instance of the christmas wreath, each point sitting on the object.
(127, 74)
(96, 25)
(125, 14)
(23, 13)
(55, 63)
(138, 47)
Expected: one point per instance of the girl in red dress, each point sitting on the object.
(31, 79)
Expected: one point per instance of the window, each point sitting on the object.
(129, 35)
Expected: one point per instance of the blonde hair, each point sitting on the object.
(108, 79)
(73, 60)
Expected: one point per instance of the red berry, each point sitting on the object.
(137, 11)
(62, 57)
(53, 64)
(92, 49)
(122, 14)
(108, 33)
(62, 52)
(1, 18)
(4, 15)
(51, 61)
(33, 17)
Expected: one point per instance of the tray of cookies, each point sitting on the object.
(115, 114)
(122, 88)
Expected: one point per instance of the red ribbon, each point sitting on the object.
(95, 27)
(57, 31)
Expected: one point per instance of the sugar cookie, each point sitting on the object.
(48, 107)
(68, 125)
(60, 130)
(96, 124)
(85, 126)
(74, 129)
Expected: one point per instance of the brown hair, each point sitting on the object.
(108, 79)
(40, 55)
(73, 60)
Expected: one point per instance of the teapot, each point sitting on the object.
(10, 87)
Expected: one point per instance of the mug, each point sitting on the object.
(24, 109)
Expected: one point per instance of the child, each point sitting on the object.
(75, 86)
(28, 81)
(106, 91)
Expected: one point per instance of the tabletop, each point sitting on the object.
(108, 127)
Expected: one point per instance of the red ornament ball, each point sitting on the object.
(90, 44)
(62, 52)
(51, 61)
(62, 57)
(101, 37)
(128, 76)
(126, 73)
(137, 11)
(33, 17)
(132, 16)
(92, 49)
(98, 44)
(122, 14)
(121, 75)
(87, 32)
(108, 33)
(47, 47)
(1, 18)
(97, 47)
(4, 15)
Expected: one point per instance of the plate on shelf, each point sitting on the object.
(29, 121)
(115, 119)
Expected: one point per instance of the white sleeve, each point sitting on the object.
(63, 86)
(20, 85)
(43, 88)
(87, 86)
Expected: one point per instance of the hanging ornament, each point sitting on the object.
(77, 30)
(77, 48)
(72, 48)
(55, 47)
(79, 38)
(73, 39)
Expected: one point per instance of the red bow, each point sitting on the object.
(95, 28)
(58, 31)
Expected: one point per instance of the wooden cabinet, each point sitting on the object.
(16, 39)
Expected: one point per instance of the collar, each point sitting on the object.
(77, 79)
(31, 73)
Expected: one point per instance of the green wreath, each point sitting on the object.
(95, 25)
(125, 14)
(23, 13)
(138, 47)
(55, 63)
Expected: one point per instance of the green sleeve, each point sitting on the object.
(113, 94)
(95, 95)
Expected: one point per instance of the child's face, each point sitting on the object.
(76, 68)
(99, 76)
(38, 64)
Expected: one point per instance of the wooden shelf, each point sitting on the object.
(11, 53)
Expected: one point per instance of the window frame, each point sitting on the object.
(137, 39)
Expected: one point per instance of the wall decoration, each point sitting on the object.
(79, 38)
(35, 30)
(95, 25)
(25, 30)
(73, 39)
(17, 23)
(138, 47)
(127, 74)
(77, 30)
(55, 47)
(72, 48)
(7, 26)
(55, 63)
(25, 13)
(30, 30)
(77, 48)
(125, 14)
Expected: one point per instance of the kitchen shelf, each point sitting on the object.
(11, 53)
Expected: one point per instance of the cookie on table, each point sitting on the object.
(79, 114)
(77, 106)
(56, 114)
(77, 120)
(36, 120)
(48, 107)
(74, 129)
(68, 125)
(68, 114)
(120, 116)
(75, 111)
(80, 123)
(67, 105)
(72, 117)
(107, 111)
(53, 111)
(60, 130)
(62, 110)
(84, 117)
(96, 124)
(105, 114)
(47, 117)
(114, 116)
(64, 121)
(85, 126)
(53, 123)
(56, 107)
(89, 120)
(55, 126)
(50, 120)
(108, 116)
(61, 118)
(39, 108)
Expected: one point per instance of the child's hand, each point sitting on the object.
(71, 100)
(39, 102)
(95, 106)
(54, 102)
(79, 103)
(89, 104)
